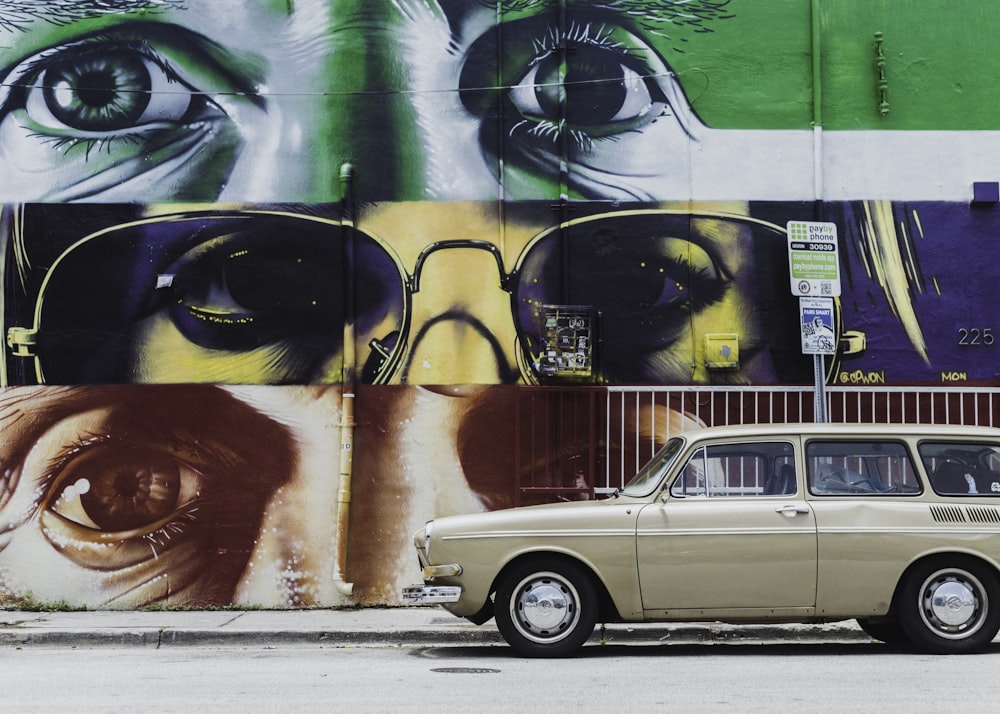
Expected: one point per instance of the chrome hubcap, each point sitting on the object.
(544, 607)
(953, 604)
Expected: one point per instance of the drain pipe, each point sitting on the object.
(817, 100)
(347, 384)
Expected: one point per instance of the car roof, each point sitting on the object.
(840, 430)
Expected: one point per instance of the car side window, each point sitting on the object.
(872, 468)
(962, 469)
(735, 470)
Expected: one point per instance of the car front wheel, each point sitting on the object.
(546, 610)
(950, 608)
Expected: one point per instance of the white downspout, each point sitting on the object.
(347, 387)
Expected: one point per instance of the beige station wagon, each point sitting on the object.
(895, 526)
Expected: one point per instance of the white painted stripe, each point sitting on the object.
(909, 165)
(892, 165)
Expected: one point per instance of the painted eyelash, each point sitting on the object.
(582, 140)
(179, 526)
(69, 452)
(705, 290)
(9, 479)
(600, 36)
(547, 129)
(92, 143)
(97, 43)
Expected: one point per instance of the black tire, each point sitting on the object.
(884, 630)
(546, 609)
(950, 606)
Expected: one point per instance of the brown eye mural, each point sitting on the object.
(136, 497)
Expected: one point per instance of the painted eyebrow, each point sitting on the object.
(673, 20)
(681, 12)
(20, 14)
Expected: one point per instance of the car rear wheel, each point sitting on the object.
(546, 609)
(950, 608)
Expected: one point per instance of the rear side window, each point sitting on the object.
(862, 468)
(962, 469)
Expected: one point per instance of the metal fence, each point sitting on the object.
(638, 420)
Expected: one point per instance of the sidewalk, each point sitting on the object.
(371, 627)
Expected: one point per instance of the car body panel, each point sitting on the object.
(770, 557)
(600, 534)
(865, 548)
(825, 549)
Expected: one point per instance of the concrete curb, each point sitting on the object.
(380, 628)
(191, 638)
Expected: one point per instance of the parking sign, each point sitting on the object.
(816, 319)
(813, 259)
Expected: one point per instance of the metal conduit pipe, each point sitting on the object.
(819, 368)
(347, 385)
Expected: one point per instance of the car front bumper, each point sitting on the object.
(431, 594)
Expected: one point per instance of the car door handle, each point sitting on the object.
(791, 510)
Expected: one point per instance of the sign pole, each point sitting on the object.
(819, 406)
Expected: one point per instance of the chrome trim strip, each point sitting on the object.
(945, 529)
(663, 532)
(618, 532)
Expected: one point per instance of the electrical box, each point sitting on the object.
(985, 192)
(722, 351)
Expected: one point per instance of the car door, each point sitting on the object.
(734, 531)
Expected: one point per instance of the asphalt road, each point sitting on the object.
(813, 677)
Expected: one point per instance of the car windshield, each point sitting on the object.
(651, 474)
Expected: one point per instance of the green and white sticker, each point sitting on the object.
(813, 259)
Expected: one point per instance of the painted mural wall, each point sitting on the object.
(278, 275)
